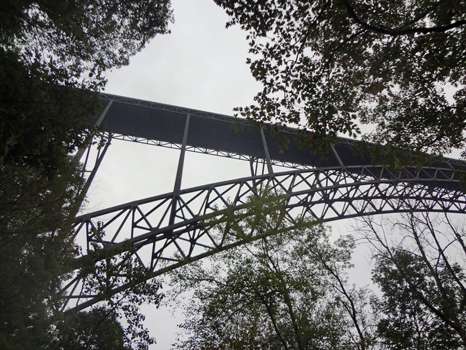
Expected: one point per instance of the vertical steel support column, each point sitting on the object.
(100, 157)
(337, 156)
(80, 152)
(179, 172)
(87, 184)
(266, 150)
(253, 166)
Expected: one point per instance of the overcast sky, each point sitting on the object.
(200, 65)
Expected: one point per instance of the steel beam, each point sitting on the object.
(163, 232)
(160, 242)
(212, 133)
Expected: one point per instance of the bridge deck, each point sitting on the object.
(164, 232)
(211, 131)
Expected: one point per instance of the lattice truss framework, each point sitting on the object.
(207, 151)
(164, 232)
(158, 234)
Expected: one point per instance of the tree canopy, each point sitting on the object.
(282, 289)
(286, 288)
(53, 55)
(416, 313)
(78, 40)
(329, 65)
(270, 294)
(420, 271)
(97, 329)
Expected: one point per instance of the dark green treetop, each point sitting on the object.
(420, 272)
(409, 301)
(82, 39)
(53, 55)
(330, 65)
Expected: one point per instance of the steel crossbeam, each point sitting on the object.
(208, 151)
(163, 125)
(163, 232)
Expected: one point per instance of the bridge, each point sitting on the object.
(164, 232)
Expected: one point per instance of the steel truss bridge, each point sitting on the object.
(164, 232)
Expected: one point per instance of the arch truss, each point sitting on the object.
(163, 232)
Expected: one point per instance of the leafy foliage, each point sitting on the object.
(32, 203)
(105, 271)
(97, 329)
(419, 269)
(34, 264)
(329, 65)
(410, 296)
(278, 291)
(42, 122)
(35, 242)
(78, 40)
(53, 55)
(32, 267)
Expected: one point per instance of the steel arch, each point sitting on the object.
(162, 233)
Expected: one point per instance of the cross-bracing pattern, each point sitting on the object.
(208, 151)
(164, 232)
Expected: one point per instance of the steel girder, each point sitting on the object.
(162, 233)
(216, 134)
(209, 151)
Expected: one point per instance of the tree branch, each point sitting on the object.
(442, 253)
(352, 308)
(412, 285)
(395, 32)
(272, 318)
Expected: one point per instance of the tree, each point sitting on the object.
(281, 290)
(35, 249)
(32, 203)
(97, 329)
(419, 271)
(34, 265)
(412, 321)
(53, 55)
(30, 269)
(104, 271)
(329, 65)
(79, 40)
(52, 59)
(42, 121)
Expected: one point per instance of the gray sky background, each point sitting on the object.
(200, 65)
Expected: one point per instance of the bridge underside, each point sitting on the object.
(216, 134)
(164, 232)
